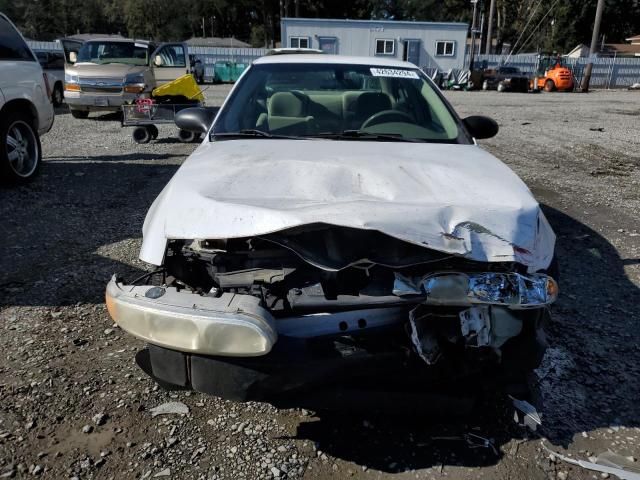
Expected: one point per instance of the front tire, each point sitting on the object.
(549, 86)
(20, 149)
(57, 97)
(80, 114)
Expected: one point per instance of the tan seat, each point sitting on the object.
(286, 114)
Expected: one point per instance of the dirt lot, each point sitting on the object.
(75, 405)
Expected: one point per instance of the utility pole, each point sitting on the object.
(488, 45)
(594, 47)
(203, 32)
(472, 50)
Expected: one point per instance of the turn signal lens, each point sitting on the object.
(72, 87)
(134, 88)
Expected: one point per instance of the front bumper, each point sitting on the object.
(97, 101)
(317, 372)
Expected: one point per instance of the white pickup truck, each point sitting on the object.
(102, 74)
(26, 111)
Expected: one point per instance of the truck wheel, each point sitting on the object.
(57, 96)
(20, 150)
(549, 86)
(141, 135)
(501, 87)
(186, 136)
(79, 113)
(153, 131)
(485, 85)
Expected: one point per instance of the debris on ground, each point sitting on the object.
(170, 408)
(617, 471)
(526, 414)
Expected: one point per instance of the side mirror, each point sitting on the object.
(157, 61)
(73, 57)
(196, 119)
(481, 127)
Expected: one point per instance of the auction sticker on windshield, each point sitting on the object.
(393, 72)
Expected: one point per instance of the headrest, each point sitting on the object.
(287, 104)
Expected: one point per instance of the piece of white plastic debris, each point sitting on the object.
(170, 408)
(618, 472)
(531, 417)
(163, 473)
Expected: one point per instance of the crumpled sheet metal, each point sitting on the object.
(456, 199)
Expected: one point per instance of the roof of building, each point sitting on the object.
(402, 23)
(621, 49)
(217, 42)
(336, 59)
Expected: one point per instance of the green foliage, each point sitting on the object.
(553, 25)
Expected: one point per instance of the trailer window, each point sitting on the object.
(445, 48)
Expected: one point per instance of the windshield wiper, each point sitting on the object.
(252, 133)
(362, 135)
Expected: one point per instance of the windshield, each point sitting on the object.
(114, 52)
(337, 101)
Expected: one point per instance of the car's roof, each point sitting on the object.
(117, 39)
(336, 59)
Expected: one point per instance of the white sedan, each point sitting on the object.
(339, 227)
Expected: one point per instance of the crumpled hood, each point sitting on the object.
(108, 70)
(457, 199)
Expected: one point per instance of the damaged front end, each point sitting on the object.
(260, 317)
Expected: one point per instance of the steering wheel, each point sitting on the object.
(387, 116)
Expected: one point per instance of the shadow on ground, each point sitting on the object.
(59, 231)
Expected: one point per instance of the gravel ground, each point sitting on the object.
(74, 405)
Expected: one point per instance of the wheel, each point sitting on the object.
(186, 136)
(141, 135)
(549, 86)
(79, 113)
(57, 96)
(501, 87)
(485, 85)
(153, 131)
(20, 150)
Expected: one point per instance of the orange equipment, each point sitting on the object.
(552, 74)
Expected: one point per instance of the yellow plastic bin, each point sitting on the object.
(184, 85)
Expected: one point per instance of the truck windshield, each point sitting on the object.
(337, 101)
(102, 52)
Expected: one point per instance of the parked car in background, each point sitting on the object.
(26, 111)
(339, 228)
(53, 64)
(505, 79)
(196, 67)
(102, 74)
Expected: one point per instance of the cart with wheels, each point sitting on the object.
(145, 114)
(165, 102)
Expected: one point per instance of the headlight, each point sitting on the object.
(70, 78)
(512, 290)
(71, 82)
